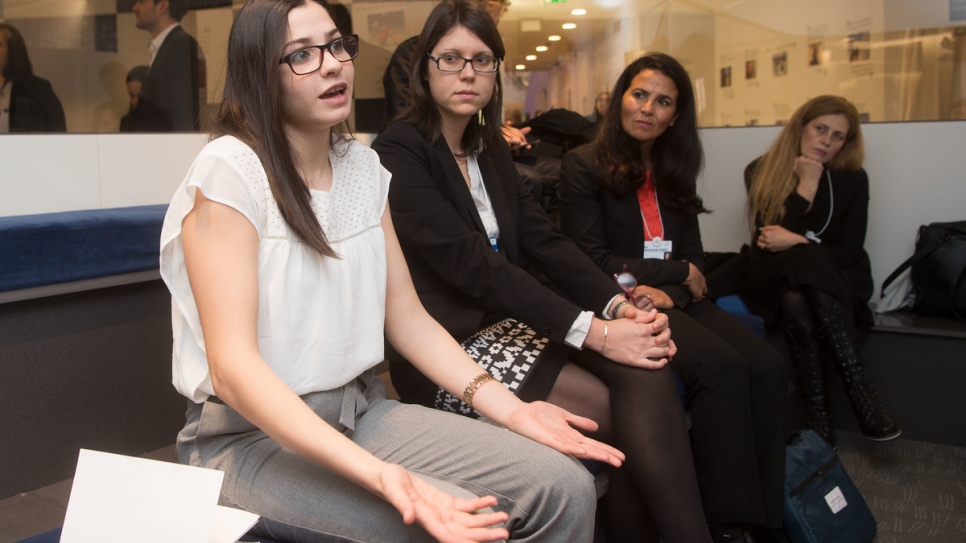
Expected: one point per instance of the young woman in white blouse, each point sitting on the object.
(285, 272)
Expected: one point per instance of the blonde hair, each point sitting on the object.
(775, 179)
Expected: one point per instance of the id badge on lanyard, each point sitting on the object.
(657, 248)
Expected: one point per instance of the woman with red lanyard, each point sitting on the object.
(629, 201)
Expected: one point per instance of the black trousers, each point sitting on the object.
(737, 386)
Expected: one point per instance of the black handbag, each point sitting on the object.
(822, 504)
(938, 270)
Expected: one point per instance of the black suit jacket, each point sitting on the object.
(609, 229)
(35, 108)
(460, 279)
(170, 99)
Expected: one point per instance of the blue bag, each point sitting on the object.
(822, 505)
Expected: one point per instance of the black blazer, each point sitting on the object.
(609, 229)
(170, 99)
(35, 108)
(460, 279)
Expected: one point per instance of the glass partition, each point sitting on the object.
(752, 61)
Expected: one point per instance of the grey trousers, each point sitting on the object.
(548, 496)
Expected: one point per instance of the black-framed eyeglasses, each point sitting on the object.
(309, 59)
(454, 63)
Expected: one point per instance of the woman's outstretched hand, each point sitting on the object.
(446, 518)
(556, 427)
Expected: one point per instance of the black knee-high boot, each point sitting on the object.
(836, 328)
(809, 366)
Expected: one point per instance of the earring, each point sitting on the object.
(479, 118)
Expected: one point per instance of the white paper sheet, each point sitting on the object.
(122, 498)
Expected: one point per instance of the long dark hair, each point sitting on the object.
(18, 65)
(422, 112)
(251, 110)
(676, 156)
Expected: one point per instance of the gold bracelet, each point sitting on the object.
(475, 385)
(603, 344)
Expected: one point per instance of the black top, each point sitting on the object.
(838, 265)
(458, 276)
(170, 99)
(610, 230)
(34, 107)
(395, 80)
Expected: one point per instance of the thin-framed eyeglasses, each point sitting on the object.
(454, 63)
(309, 59)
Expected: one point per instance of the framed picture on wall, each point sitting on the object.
(815, 53)
(751, 69)
(779, 63)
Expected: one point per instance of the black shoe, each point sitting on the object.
(810, 369)
(722, 532)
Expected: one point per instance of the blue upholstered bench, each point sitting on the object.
(55, 248)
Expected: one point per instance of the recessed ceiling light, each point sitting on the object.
(579, 12)
(521, 66)
(531, 57)
(569, 26)
(553, 38)
(542, 48)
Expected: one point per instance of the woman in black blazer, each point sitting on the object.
(630, 203)
(808, 197)
(471, 234)
(30, 102)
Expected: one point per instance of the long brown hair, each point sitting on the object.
(423, 113)
(251, 110)
(775, 179)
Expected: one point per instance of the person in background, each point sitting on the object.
(808, 271)
(27, 102)
(470, 231)
(395, 80)
(286, 276)
(629, 201)
(601, 104)
(134, 81)
(174, 91)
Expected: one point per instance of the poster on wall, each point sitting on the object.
(814, 54)
(859, 50)
(725, 77)
(751, 69)
(779, 64)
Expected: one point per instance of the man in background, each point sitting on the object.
(170, 99)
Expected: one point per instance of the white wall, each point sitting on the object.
(916, 172)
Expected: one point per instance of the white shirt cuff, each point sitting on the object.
(578, 332)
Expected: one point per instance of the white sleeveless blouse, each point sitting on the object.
(320, 320)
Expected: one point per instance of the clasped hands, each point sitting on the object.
(638, 337)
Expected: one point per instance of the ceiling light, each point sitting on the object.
(542, 48)
(569, 26)
(531, 57)
(521, 67)
(579, 12)
(553, 38)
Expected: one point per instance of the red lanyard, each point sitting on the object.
(650, 212)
